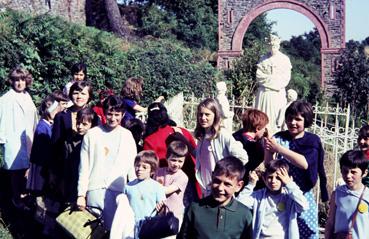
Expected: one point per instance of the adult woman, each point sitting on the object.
(18, 121)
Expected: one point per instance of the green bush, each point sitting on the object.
(49, 46)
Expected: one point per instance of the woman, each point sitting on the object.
(18, 121)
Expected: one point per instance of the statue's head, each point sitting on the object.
(221, 87)
(291, 95)
(275, 42)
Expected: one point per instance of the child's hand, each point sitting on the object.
(160, 99)
(271, 145)
(253, 177)
(81, 202)
(282, 173)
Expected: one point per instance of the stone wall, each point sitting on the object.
(71, 10)
(328, 16)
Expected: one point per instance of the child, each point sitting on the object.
(61, 98)
(304, 154)
(363, 143)
(41, 154)
(79, 73)
(131, 94)
(18, 121)
(214, 143)
(220, 215)
(348, 208)
(107, 162)
(254, 129)
(144, 193)
(86, 119)
(275, 207)
(173, 178)
(99, 109)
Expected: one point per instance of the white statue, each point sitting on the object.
(273, 74)
(291, 97)
(224, 105)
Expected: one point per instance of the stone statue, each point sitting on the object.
(273, 74)
(291, 97)
(224, 105)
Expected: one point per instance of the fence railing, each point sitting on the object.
(333, 124)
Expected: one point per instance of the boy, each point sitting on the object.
(275, 207)
(173, 178)
(348, 205)
(220, 215)
(254, 124)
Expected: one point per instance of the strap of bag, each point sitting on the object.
(356, 211)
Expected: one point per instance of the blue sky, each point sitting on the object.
(357, 20)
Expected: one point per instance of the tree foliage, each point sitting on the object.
(49, 46)
(352, 78)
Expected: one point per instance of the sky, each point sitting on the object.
(357, 21)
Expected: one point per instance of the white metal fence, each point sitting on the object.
(333, 124)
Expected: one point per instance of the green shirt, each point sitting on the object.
(206, 219)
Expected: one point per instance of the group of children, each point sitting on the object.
(86, 157)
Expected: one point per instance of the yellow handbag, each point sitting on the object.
(82, 224)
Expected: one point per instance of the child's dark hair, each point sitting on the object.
(177, 149)
(79, 86)
(230, 167)
(157, 117)
(136, 127)
(303, 108)
(45, 104)
(89, 115)
(149, 157)
(60, 96)
(354, 159)
(77, 67)
(253, 119)
(113, 103)
(273, 166)
(20, 73)
(363, 133)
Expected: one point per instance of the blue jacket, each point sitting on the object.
(295, 203)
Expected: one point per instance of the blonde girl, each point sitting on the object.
(214, 143)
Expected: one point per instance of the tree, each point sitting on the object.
(352, 79)
(115, 19)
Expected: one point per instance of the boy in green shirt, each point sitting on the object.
(220, 215)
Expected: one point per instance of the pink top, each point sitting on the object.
(207, 164)
(175, 200)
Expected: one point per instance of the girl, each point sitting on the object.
(131, 94)
(41, 149)
(348, 208)
(79, 73)
(107, 162)
(144, 193)
(214, 142)
(65, 126)
(18, 120)
(304, 154)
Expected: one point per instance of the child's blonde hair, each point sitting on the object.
(149, 157)
(213, 106)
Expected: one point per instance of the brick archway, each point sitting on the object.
(328, 16)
